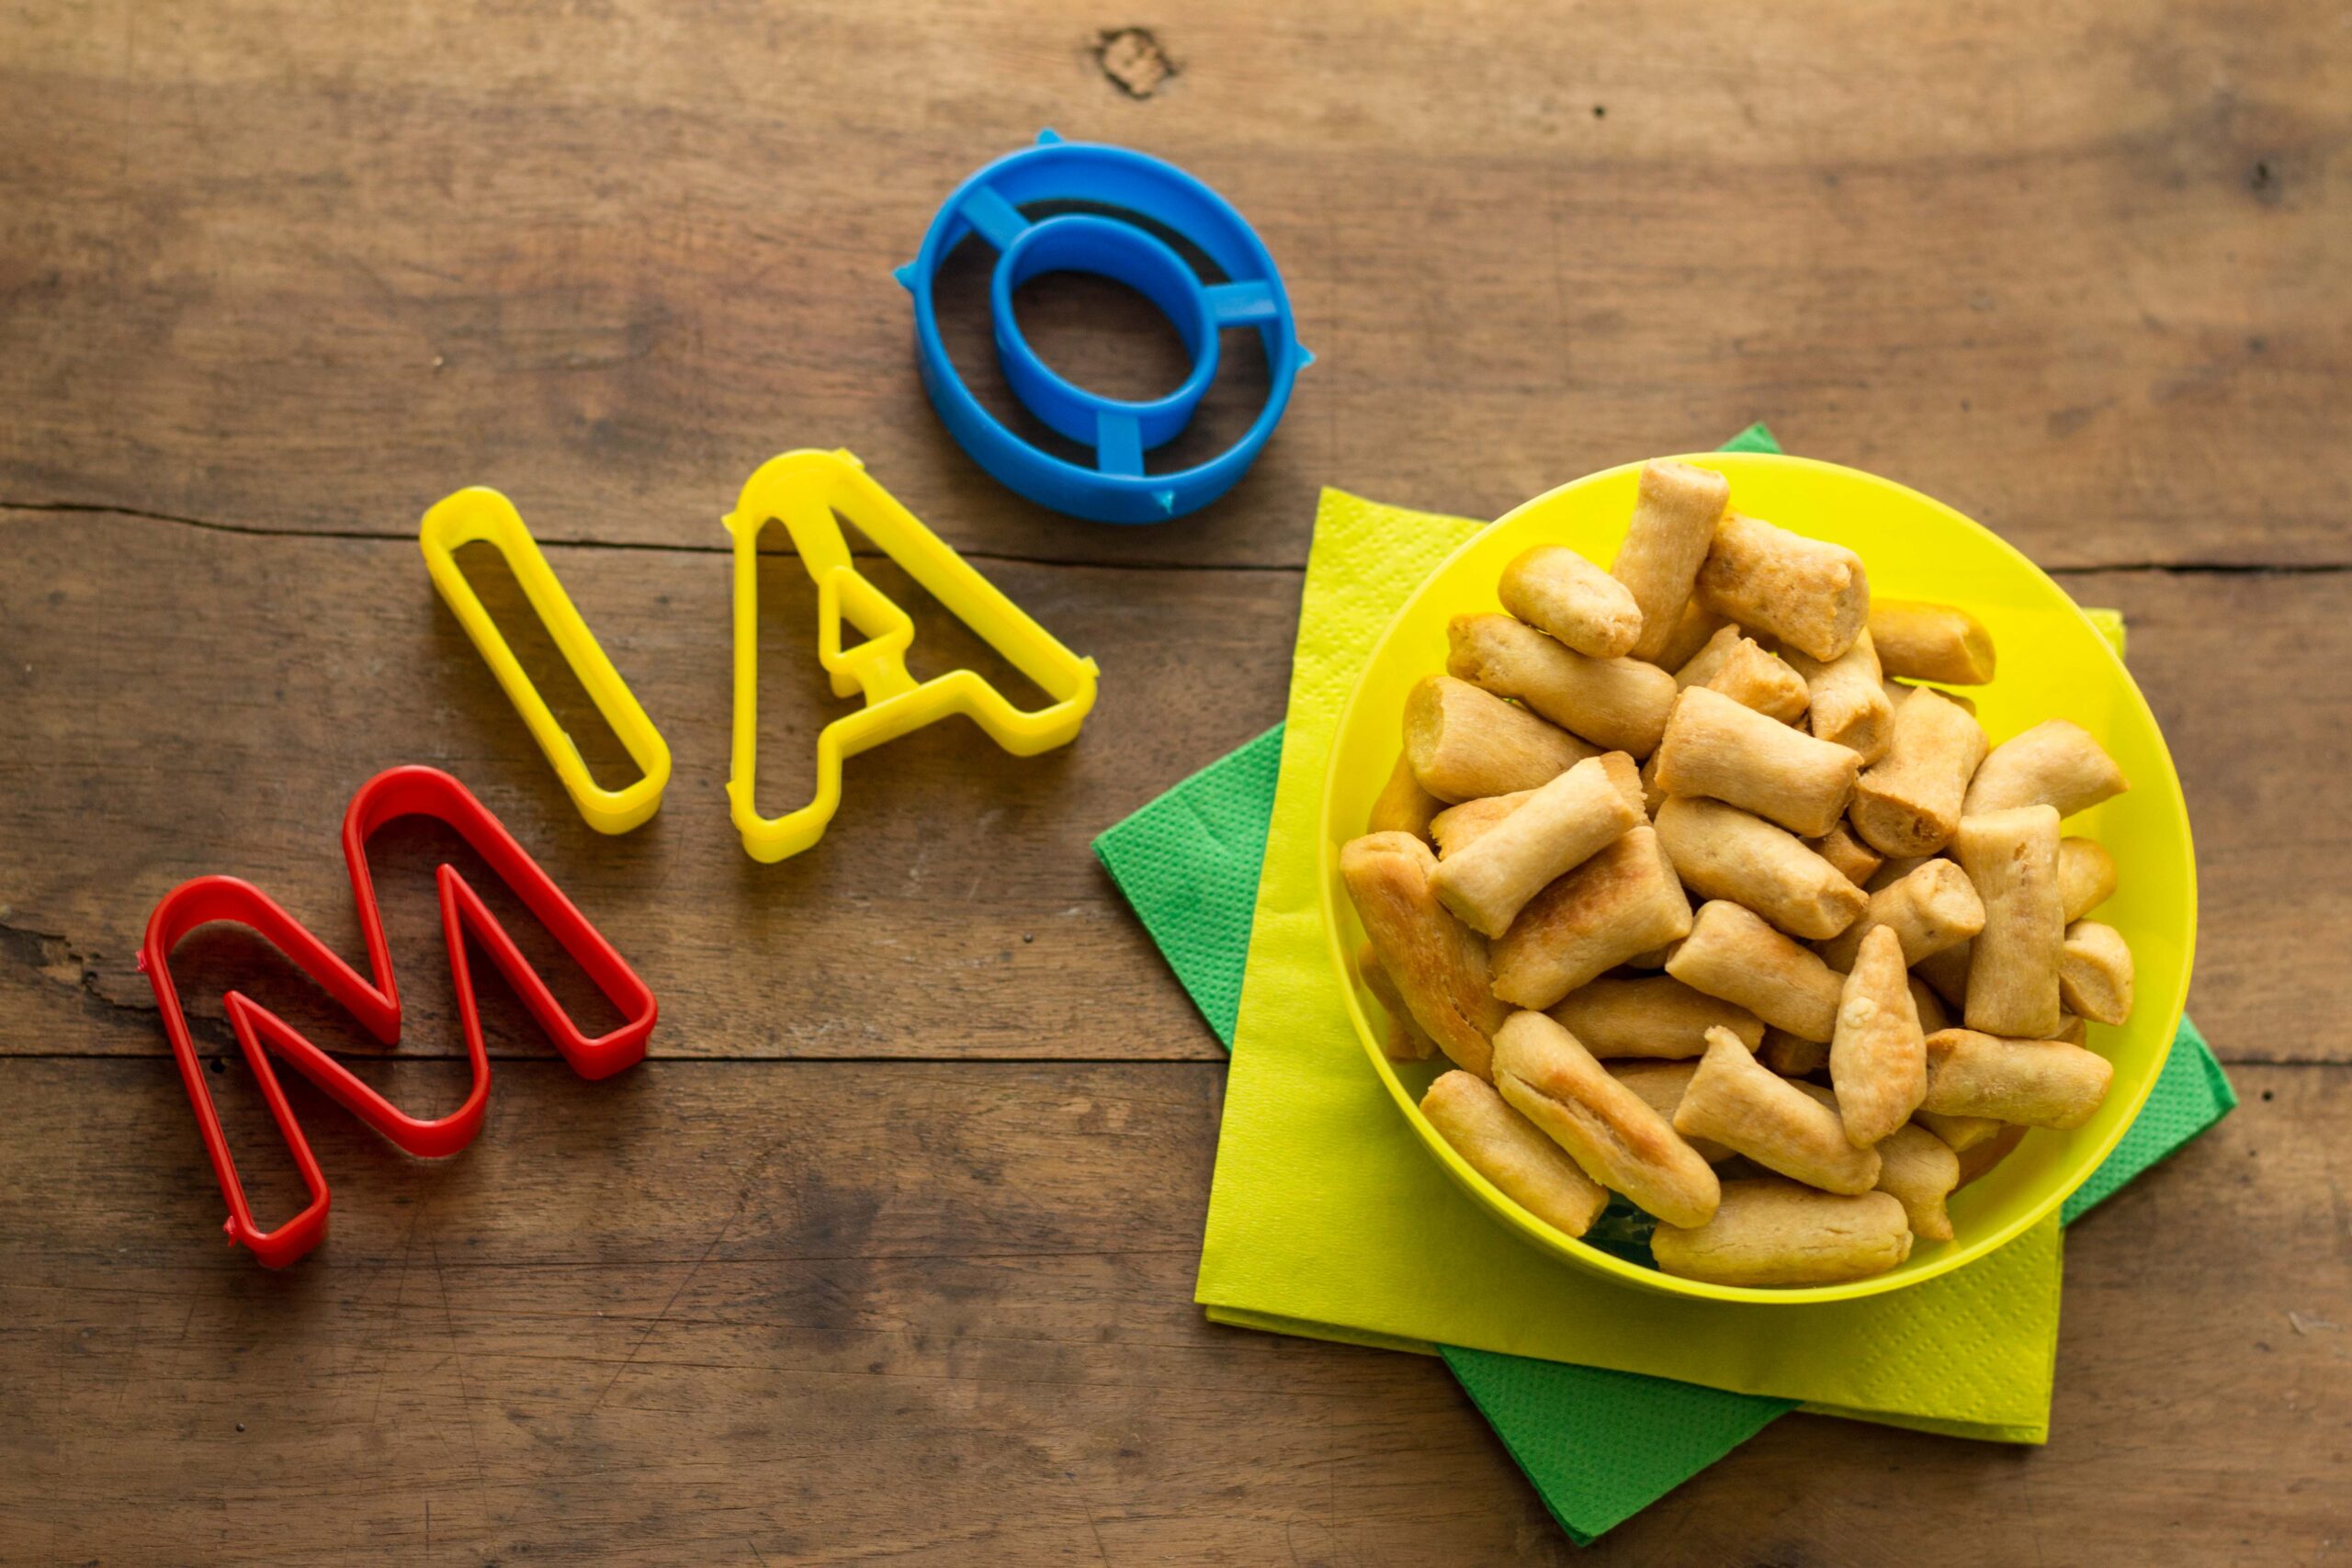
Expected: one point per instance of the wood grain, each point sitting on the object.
(2258, 717)
(2071, 274)
(810, 1313)
(274, 277)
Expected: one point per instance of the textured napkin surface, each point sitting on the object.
(1188, 862)
(1598, 1444)
(1601, 1446)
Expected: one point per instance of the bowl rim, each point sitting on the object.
(1574, 1250)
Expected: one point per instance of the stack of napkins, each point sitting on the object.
(1328, 1219)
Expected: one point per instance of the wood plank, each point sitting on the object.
(806, 1313)
(191, 701)
(2081, 282)
(2255, 705)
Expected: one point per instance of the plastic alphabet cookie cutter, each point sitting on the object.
(811, 492)
(481, 515)
(989, 204)
(374, 1000)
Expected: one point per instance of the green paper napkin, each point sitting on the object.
(1188, 862)
(1601, 1446)
(1598, 1444)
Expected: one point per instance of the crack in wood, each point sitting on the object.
(647, 547)
(54, 957)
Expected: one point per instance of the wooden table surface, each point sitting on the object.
(888, 1253)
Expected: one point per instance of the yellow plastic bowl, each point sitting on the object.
(2053, 663)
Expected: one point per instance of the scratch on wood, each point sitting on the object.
(757, 1170)
(399, 1294)
(465, 1388)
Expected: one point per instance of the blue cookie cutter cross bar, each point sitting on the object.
(1116, 490)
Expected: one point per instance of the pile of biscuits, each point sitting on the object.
(1887, 975)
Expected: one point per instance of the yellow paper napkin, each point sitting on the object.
(1327, 1218)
